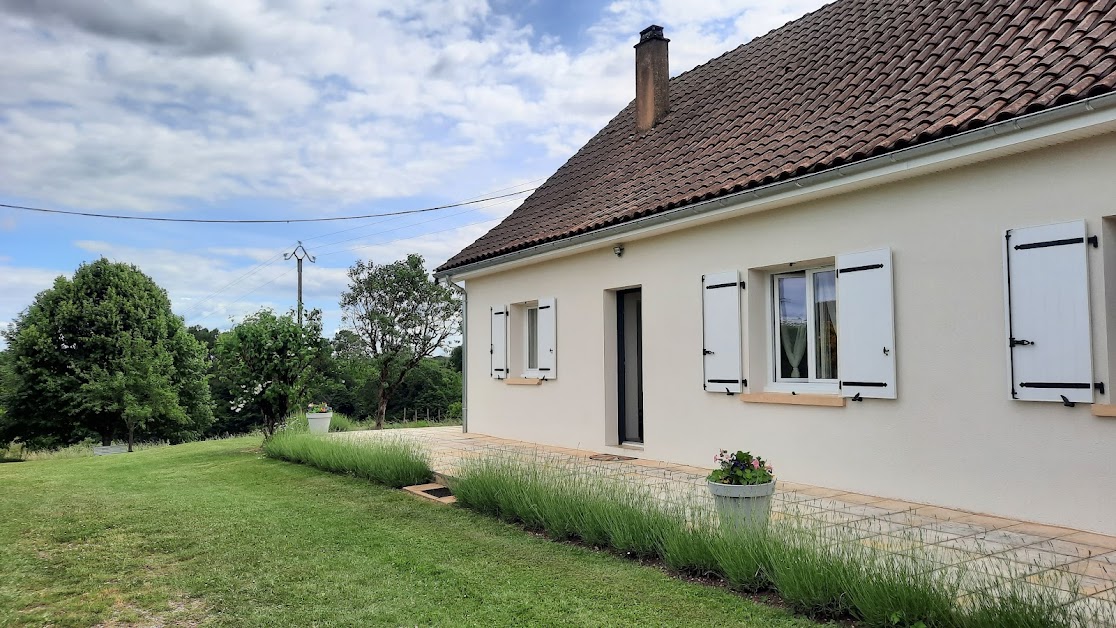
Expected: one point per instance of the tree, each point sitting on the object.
(100, 354)
(455, 357)
(401, 315)
(207, 338)
(431, 387)
(269, 362)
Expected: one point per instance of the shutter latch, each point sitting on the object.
(706, 352)
(1014, 342)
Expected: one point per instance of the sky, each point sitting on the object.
(278, 109)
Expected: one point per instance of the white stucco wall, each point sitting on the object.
(953, 437)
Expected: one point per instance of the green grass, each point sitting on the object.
(79, 450)
(394, 463)
(216, 533)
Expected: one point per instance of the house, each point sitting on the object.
(876, 245)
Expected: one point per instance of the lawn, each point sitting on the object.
(214, 533)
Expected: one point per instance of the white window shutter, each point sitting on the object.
(1050, 347)
(548, 338)
(720, 313)
(499, 347)
(866, 325)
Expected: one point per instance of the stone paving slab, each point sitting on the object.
(992, 549)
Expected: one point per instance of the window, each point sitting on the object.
(805, 326)
(532, 340)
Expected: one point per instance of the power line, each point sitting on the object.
(411, 237)
(470, 200)
(413, 224)
(197, 306)
(258, 222)
(289, 270)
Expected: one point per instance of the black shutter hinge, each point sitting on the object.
(1100, 387)
(1094, 241)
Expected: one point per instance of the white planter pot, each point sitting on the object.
(742, 505)
(319, 421)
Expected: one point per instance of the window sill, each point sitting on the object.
(522, 381)
(1104, 410)
(794, 400)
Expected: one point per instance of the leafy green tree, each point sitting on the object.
(455, 357)
(207, 338)
(348, 384)
(100, 354)
(431, 387)
(269, 362)
(402, 315)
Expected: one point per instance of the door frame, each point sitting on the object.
(621, 364)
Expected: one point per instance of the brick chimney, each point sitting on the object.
(652, 78)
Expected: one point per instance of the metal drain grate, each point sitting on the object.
(436, 492)
(610, 458)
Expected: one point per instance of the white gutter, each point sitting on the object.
(464, 353)
(1083, 118)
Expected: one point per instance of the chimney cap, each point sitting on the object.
(651, 32)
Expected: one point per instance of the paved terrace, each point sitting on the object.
(1079, 565)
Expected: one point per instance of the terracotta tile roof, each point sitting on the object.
(855, 79)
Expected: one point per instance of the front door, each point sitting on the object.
(629, 330)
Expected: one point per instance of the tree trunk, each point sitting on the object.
(131, 432)
(381, 411)
(106, 439)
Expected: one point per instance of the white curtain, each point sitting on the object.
(825, 295)
(794, 341)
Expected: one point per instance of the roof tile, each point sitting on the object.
(854, 79)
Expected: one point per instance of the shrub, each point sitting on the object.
(820, 572)
(899, 590)
(394, 463)
(742, 557)
(565, 504)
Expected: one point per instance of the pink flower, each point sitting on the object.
(755, 463)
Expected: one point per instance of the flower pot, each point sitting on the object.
(319, 421)
(740, 505)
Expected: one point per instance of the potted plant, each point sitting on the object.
(318, 416)
(742, 488)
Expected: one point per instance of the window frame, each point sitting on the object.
(530, 372)
(775, 383)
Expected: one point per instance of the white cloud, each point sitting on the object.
(307, 106)
(18, 287)
(152, 105)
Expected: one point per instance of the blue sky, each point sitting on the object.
(303, 108)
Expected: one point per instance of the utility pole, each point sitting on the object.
(299, 253)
